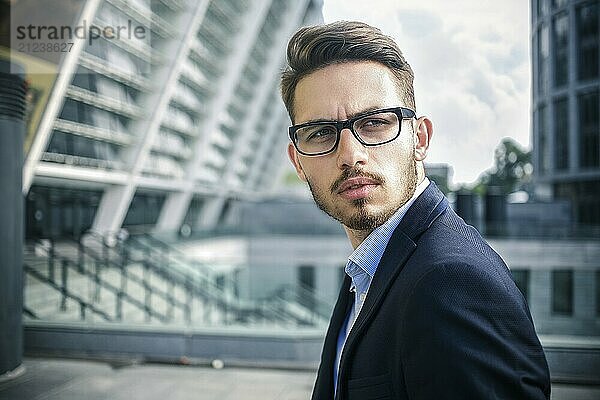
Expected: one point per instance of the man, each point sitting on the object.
(427, 310)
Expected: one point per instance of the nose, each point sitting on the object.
(350, 151)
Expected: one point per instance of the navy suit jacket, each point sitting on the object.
(442, 320)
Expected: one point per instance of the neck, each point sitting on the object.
(420, 173)
(356, 236)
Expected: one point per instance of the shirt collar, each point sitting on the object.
(368, 254)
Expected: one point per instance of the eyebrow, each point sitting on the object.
(353, 115)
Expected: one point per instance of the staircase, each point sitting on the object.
(141, 280)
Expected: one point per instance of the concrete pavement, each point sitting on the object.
(60, 379)
(64, 379)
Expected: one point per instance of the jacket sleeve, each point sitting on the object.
(468, 333)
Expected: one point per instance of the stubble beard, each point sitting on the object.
(361, 218)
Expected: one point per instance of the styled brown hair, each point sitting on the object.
(315, 47)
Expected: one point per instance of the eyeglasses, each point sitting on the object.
(372, 128)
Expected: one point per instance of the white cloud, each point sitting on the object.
(471, 64)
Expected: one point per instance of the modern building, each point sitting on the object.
(164, 131)
(565, 39)
(176, 132)
(149, 114)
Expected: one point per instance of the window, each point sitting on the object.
(542, 7)
(598, 293)
(70, 110)
(144, 209)
(588, 39)
(543, 54)
(562, 292)
(306, 276)
(589, 129)
(306, 282)
(225, 212)
(559, 3)
(59, 212)
(544, 144)
(588, 211)
(560, 36)
(521, 278)
(561, 134)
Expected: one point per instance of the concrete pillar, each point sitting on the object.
(12, 130)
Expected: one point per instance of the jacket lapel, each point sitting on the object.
(421, 214)
(324, 384)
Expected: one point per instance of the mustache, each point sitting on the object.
(354, 173)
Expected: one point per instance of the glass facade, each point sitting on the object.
(543, 62)
(561, 134)
(562, 292)
(588, 209)
(144, 210)
(544, 143)
(588, 40)
(559, 3)
(53, 212)
(589, 128)
(597, 293)
(166, 108)
(85, 151)
(560, 32)
(585, 199)
(521, 278)
(566, 113)
(542, 7)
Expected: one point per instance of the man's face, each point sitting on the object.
(359, 186)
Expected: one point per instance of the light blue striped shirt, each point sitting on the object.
(362, 265)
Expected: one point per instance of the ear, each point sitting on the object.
(294, 158)
(423, 133)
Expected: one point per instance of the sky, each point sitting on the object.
(471, 60)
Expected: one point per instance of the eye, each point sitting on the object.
(319, 133)
(373, 123)
(377, 124)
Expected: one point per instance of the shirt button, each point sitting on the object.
(363, 295)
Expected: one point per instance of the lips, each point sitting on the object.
(357, 188)
(355, 183)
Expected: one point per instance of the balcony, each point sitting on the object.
(175, 5)
(163, 166)
(193, 70)
(187, 101)
(108, 69)
(93, 132)
(78, 161)
(172, 145)
(136, 47)
(98, 100)
(179, 122)
(145, 16)
(214, 158)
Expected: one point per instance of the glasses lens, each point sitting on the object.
(315, 139)
(378, 128)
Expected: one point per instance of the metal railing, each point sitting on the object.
(166, 277)
(297, 300)
(62, 287)
(92, 266)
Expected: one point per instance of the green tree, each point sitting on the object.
(512, 169)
